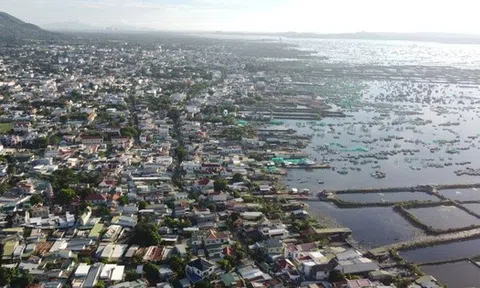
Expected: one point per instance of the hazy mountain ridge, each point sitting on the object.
(453, 38)
(12, 28)
(420, 36)
(70, 26)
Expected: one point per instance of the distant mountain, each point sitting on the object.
(72, 26)
(127, 28)
(82, 27)
(452, 38)
(12, 28)
(421, 36)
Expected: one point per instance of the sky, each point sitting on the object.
(318, 16)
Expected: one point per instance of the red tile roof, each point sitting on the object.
(96, 197)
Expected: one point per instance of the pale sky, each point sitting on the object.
(321, 16)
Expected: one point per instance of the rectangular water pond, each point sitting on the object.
(443, 252)
(461, 194)
(444, 217)
(371, 227)
(386, 197)
(455, 275)
(474, 207)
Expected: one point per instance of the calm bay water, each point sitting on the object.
(455, 275)
(425, 154)
(376, 52)
(392, 53)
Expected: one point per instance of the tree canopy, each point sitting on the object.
(103, 210)
(181, 153)
(178, 265)
(142, 205)
(336, 276)
(65, 196)
(131, 275)
(35, 199)
(63, 178)
(129, 132)
(151, 273)
(237, 177)
(237, 133)
(177, 223)
(15, 277)
(220, 185)
(123, 200)
(146, 234)
(205, 283)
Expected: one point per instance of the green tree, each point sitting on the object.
(178, 265)
(62, 178)
(22, 280)
(220, 185)
(4, 187)
(400, 282)
(212, 206)
(142, 205)
(248, 198)
(15, 277)
(225, 265)
(231, 220)
(231, 261)
(65, 196)
(229, 120)
(86, 260)
(336, 276)
(123, 200)
(181, 153)
(84, 192)
(137, 259)
(35, 199)
(151, 273)
(146, 234)
(129, 132)
(40, 143)
(176, 223)
(12, 169)
(205, 283)
(100, 284)
(131, 275)
(237, 177)
(103, 210)
(55, 140)
(92, 178)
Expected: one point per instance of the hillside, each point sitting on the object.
(12, 28)
(70, 26)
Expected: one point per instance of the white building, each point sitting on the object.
(191, 167)
(199, 269)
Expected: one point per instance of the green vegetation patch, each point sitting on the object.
(5, 127)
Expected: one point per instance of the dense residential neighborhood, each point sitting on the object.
(128, 164)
